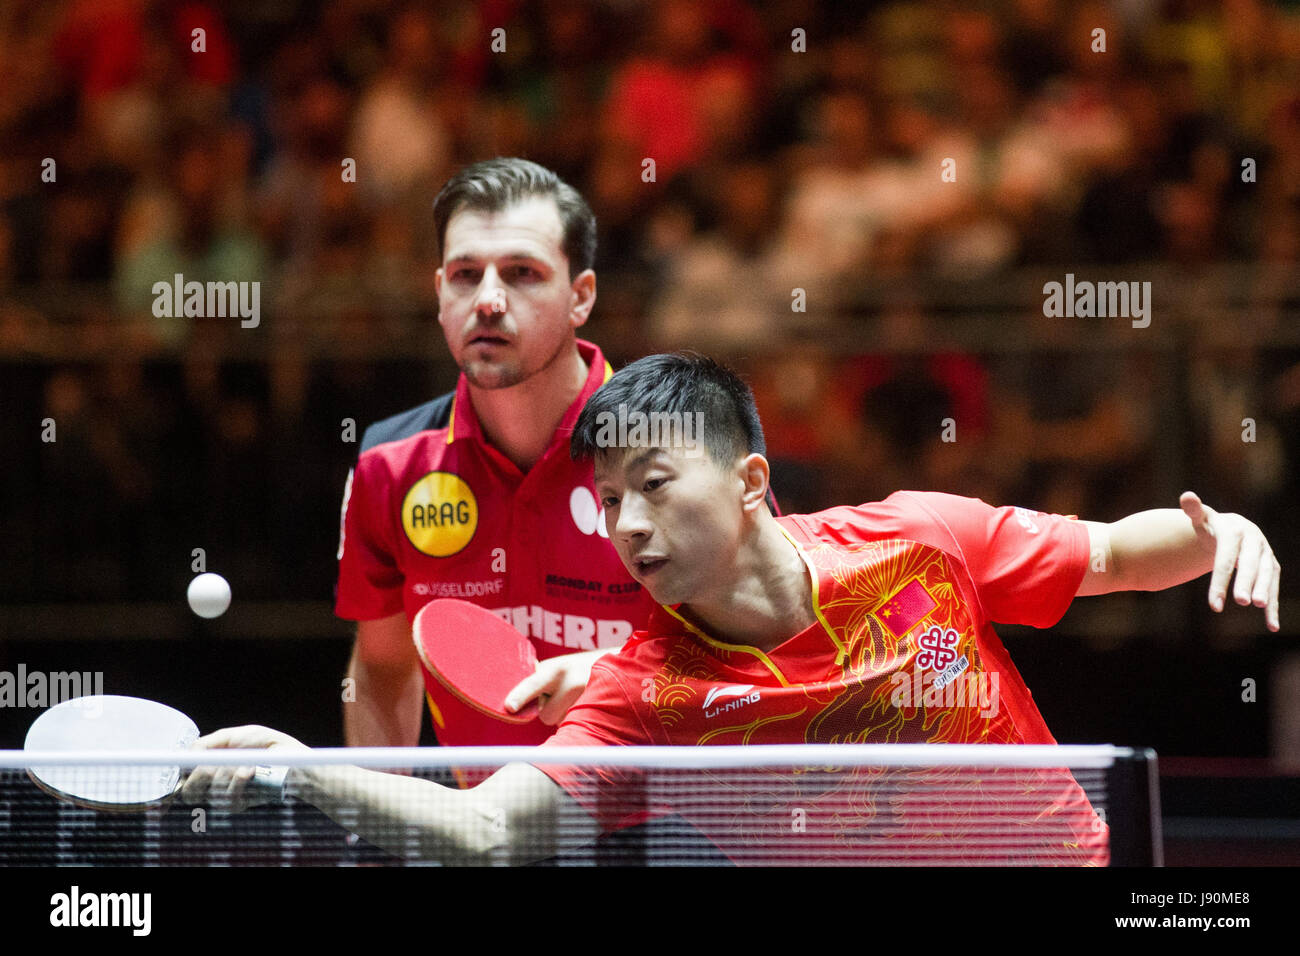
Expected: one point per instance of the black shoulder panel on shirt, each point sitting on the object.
(431, 415)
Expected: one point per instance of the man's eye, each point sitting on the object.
(464, 275)
(524, 272)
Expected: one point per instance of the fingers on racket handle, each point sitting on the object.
(266, 785)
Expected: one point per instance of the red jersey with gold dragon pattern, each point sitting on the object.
(903, 651)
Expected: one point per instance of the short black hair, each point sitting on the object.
(495, 184)
(681, 384)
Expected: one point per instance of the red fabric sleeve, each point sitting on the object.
(370, 582)
(1027, 566)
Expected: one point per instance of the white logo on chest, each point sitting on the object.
(732, 698)
(586, 514)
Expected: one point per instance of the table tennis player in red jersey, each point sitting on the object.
(474, 495)
(832, 627)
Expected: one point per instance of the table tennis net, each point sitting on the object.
(853, 805)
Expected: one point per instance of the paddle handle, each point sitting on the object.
(266, 786)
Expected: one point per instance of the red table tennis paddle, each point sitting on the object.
(476, 655)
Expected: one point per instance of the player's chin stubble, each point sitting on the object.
(492, 375)
(508, 373)
(498, 375)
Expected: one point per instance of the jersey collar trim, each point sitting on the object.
(724, 646)
(841, 652)
(598, 373)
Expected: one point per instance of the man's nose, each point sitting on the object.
(633, 519)
(491, 300)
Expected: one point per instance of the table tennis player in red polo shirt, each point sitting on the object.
(474, 495)
(849, 625)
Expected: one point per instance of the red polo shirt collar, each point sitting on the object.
(464, 422)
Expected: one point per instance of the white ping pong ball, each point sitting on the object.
(209, 595)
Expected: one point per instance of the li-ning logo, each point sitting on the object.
(740, 695)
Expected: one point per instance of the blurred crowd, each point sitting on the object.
(796, 145)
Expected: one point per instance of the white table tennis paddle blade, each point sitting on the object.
(110, 723)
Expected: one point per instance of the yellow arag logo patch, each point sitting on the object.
(440, 514)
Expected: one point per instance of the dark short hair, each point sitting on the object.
(681, 383)
(496, 184)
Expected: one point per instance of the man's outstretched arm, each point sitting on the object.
(518, 815)
(1154, 550)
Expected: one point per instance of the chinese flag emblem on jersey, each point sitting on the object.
(906, 608)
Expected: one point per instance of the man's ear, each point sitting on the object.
(755, 475)
(582, 297)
